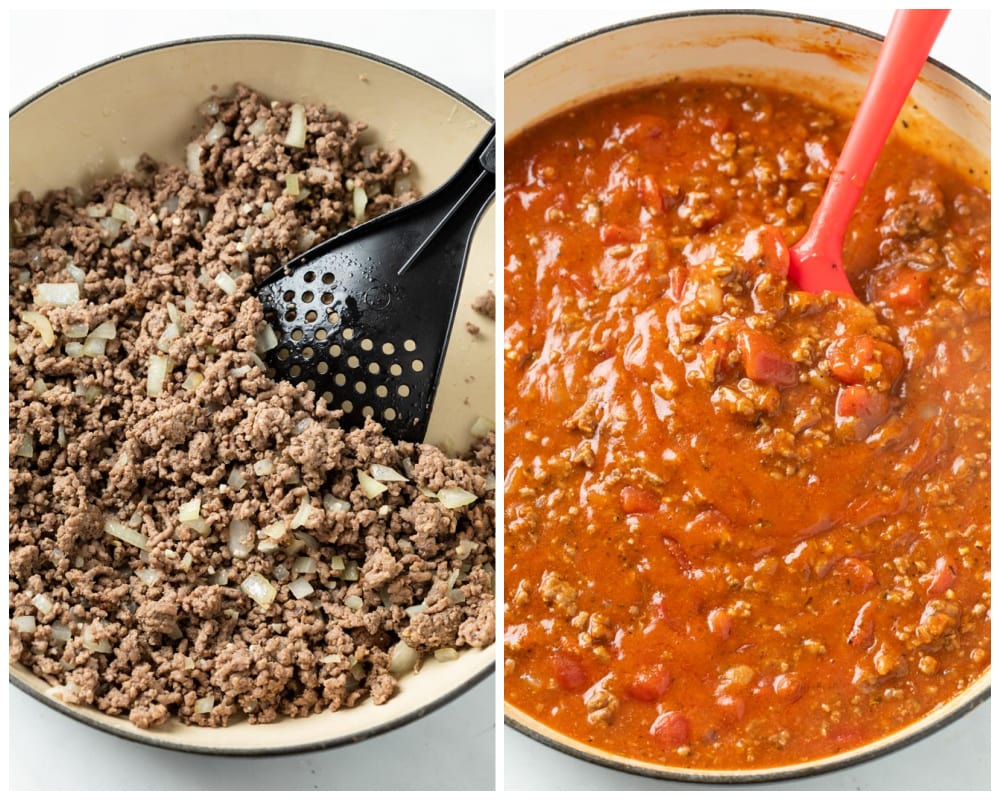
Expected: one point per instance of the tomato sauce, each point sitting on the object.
(744, 526)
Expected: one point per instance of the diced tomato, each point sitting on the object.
(734, 706)
(671, 729)
(860, 410)
(942, 577)
(858, 574)
(763, 360)
(638, 501)
(649, 685)
(787, 686)
(765, 248)
(569, 672)
(652, 197)
(720, 622)
(849, 357)
(863, 632)
(909, 289)
(619, 234)
(678, 277)
(714, 354)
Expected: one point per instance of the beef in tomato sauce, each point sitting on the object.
(745, 526)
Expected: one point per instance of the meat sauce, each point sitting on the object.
(745, 526)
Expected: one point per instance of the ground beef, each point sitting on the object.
(163, 625)
(486, 304)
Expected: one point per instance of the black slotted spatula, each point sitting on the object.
(366, 315)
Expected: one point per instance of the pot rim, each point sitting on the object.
(321, 744)
(807, 769)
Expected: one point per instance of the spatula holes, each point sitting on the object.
(347, 333)
(335, 350)
(308, 352)
(388, 348)
(328, 397)
(381, 391)
(328, 278)
(360, 387)
(340, 379)
(395, 370)
(409, 345)
(322, 368)
(418, 365)
(283, 354)
(368, 411)
(311, 316)
(288, 296)
(297, 335)
(353, 362)
(320, 334)
(374, 368)
(333, 318)
(290, 315)
(403, 390)
(309, 277)
(311, 384)
(326, 298)
(307, 296)
(389, 414)
(295, 370)
(367, 345)
(348, 406)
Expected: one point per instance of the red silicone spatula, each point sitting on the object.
(817, 258)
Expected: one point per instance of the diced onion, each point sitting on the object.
(304, 565)
(76, 273)
(189, 510)
(77, 330)
(57, 294)
(94, 346)
(24, 624)
(148, 575)
(241, 538)
(445, 654)
(102, 646)
(240, 372)
(353, 602)
(225, 282)
(209, 108)
(129, 535)
(276, 530)
(331, 503)
(412, 611)
(61, 435)
(350, 572)
(371, 487)
(267, 209)
(216, 132)
(60, 632)
(193, 154)
(236, 479)
(193, 381)
(159, 367)
(204, 705)
(266, 338)
(301, 588)
(491, 482)
(263, 467)
(258, 127)
(360, 198)
(308, 539)
(125, 214)
(366, 155)
(168, 337)
(26, 449)
(110, 228)
(296, 136)
(259, 589)
(39, 387)
(454, 497)
(74, 349)
(402, 659)
(302, 515)
(337, 563)
(41, 324)
(403, 185)
(96, 210)
(383, 473)
(292, 184)
(281, 572)
(465, 548)
(42, 602)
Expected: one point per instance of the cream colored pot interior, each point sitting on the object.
(828, 63)
(95, 123)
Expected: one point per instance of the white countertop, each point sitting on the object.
(954, 758)
(452, 747)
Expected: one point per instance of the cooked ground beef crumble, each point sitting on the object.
(189, 537)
